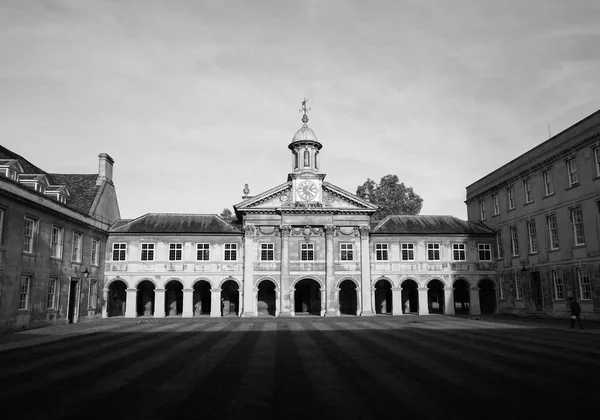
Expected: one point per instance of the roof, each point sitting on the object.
(82, 189)
(175, 223)
(426, 224)
(28, 167)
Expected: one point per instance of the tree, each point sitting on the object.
(391, 197)
(227, 215)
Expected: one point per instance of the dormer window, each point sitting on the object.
(34, 181)
(57, 192)
(10, 168)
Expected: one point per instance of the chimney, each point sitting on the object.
(105, 168)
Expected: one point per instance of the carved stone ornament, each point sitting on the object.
(267, 230)
(249, 230)
(364, 230)
(284, 198)
(330, 230)
(348, 231)
(327, 199)
(285, 230)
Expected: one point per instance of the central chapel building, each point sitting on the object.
(305, 246)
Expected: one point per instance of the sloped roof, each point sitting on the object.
(28, 167)
(82, 189)
(176, 223)
(426, 224)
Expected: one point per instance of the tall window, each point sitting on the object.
(499, 247)
(572, 172)
(56, 242)
(532, 237)
(557, 284)
(267, 252)
(346, 252)
(518, 287)
(148, 252)
(306, 158)
(381, 252)
(585, 288)
(93, 297)
(552, 231)
(514, 242)
(230, 252)
(510, 192)
(119, 252)
(433, 252)
(548, 184)
(485, 252)
(307, 252)
(175, 252)
(51, 296)
(408, 252)
(29, 233)
(95, 252)
(24, 292)
(458, 252)
(597, 160)
(77, 242)
(577, 221)
(527, 188)
(501, 286)
(496, 203)
(481, 210)
(295, 160)
(202, 252)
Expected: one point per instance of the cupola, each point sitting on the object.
(305, 146)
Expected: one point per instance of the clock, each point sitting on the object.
(307, 190)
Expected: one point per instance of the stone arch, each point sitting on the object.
(410, 295)
(173, 297)
(202, 296)
(145, 289)
(137, 282)
(171, 279)
(262, 279)
(488, 279)
(199, 279)
(116, 293)
(230, 297)
(435, 295)
(382, 289)
(343, 279)
(462, 295)
(461, 279)
(307, 292)
(348, 296)
(226, 279)
(487, 295)
(433, 278)
(108, 283)
(266, 296)
(298, 279)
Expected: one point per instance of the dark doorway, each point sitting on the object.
(202, 298)
(307, 297)
(117, 298)
(173, 298)
(266, 298)
(435, 297)
(383, 297)
(536, 291)
(348, 304)
(410, 297)
(145, 298)
(462, 296)
(487, 297)
(73, 311)
(230, 298)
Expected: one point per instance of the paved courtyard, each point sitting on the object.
(301, 368)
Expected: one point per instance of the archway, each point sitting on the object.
(266, 298)
(173, 298)
(410, 296)
(117, 298)
(202, 297)
(435, 297)
(307, 297)
(487, 297)
(347, 298)
(145, 298)
(462, 296)
(230, 298)
(383, 297)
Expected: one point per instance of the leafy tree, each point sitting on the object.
(227, 215)
(391, 197)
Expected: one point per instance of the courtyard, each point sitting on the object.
(410, 367)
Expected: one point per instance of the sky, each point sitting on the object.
(194, 99)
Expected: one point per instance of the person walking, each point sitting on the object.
(575, 311)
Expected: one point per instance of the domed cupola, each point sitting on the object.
(305, 146)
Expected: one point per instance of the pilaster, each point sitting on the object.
(247, 303)
(330, 304)
(159, 303)
(105, 303)
(215, 303)
(188, 303)
(286, 303)
(365, 272)
(449, 301)
(131, 304)
(396, 301)
(474, 308)
(423, 301)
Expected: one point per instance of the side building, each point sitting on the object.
(545, 209)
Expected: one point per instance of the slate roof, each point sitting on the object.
(28, 167)
(176, 223)
(424, 224)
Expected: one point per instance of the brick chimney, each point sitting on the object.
(105, 168)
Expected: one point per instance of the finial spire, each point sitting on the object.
(304, 110)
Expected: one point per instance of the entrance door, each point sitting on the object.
(73, 311)
(538, 301)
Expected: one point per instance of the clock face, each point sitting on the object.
(307, 190)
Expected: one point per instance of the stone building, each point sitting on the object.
(545, 209)
(53, 232)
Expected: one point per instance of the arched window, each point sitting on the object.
(295, 160)
(317, 160)
(306, 158)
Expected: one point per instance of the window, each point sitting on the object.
(24, 292)
(572, 172)
(147, 252)
(548, 184)
(552, 231)
(496, 204)
(527, 187)
(532, 237)
(94, 256)
(514, 242)
(267, 252)
(597, 160)
(51, 297)
(499, 248)
(29, 232)
(433, 252)
(585, 288)
(381, 252)
(77, 242)
(346, 252)
(307, 252)
(56, 242)
(93, 297)
(510, 192)
(295, 160)
(175, 252)
(408, 252)
(518, 287)
(306, 158)
(557, 284)
(577, 221)
(501, 286)
(481, 210)
(202, 252)
(230, 252)
(458, 252)
(485, 252)
(119, 252)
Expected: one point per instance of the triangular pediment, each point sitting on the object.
(270, 199)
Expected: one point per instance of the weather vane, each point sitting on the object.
(304, 110)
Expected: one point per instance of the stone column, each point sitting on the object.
(331, 304)
(396, 301)
(323, 298)
(131, 304)
(423, 301)
(474, 301)
(188, 303)
(358, 301)
(159, 303)
(247, 306)
(215, 303)
(449, 301)
(105, 303)
(277, 301)
(365, 272)
(292, 303)
(286, 302)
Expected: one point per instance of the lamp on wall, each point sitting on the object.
(86, 273)
(524, 269)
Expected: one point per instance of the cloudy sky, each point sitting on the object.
(193, 99)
